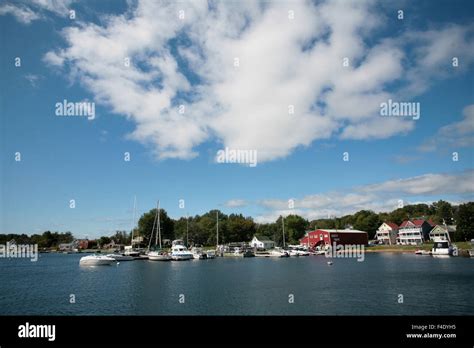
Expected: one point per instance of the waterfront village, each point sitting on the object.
(440, 229)
(405, 237)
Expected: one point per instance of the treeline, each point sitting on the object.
(201, 229)
(46, 240)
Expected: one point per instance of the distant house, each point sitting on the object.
(81, 243)
(443, 232)
(66, 246)
(110, 245)
(387, 233)
(413, 232)
(261, 243)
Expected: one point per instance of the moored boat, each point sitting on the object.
(210, 254)
(443, 248)
(278, 253)
(159, 256)
(96, 260)
(198, 253)
(179, 252)
(120, 257)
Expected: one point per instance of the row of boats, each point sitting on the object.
(179, 252)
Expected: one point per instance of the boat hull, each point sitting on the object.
(121, 257)
(100, 261)
(181, 257)
(159, 257)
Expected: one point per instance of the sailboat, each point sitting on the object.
(129, 250)
(157, 255)
(280, 252)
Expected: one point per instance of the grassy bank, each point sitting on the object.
(411, 248)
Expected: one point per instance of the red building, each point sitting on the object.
(329, 237)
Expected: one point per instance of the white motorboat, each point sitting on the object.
(471, 252)
(422, 252)
(293, 253)
(298, 252)
(210, 254)
(179, 252)
(120, 257)
(198, 254)
(96, 260)
(159, 256)
(278, 253)
(442, 247)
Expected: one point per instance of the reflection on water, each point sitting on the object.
(430, 286)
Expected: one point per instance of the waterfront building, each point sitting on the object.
(322, 237)
(443, 232)
(387, 233)
(414, 232)
(262, 243)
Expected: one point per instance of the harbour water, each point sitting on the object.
(240, 286)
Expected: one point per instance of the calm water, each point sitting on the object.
(240, 286)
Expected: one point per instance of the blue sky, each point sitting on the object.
(190, 62)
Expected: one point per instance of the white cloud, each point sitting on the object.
(282, 62)
(379, 197)
(455, 135)
(235, 203)
(428, 184)
(22, 13)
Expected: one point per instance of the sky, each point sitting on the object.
(299, 84)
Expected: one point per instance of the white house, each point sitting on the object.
(442, 232)
(261, 243)
(414, 232)
(387, 233)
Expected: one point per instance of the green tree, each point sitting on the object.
(145, 226)
(239, 228)
(443, 212)
(367, 221)
(465, 222)
(295, 228)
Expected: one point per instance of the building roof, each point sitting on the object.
(393, 225)
(340, 231)
(449, 228)
(263, 240)
(416, 222)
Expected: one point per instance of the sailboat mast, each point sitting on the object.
(283, 228)
(159, 225)
(217, 228)
(133, 218)
(152, 230)
(157, 219)
(187, 229)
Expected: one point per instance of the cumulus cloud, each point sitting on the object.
(239, 67)
(22, 13)
(455, 135)
(28, 11)
(385, 196)
(235, 203)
